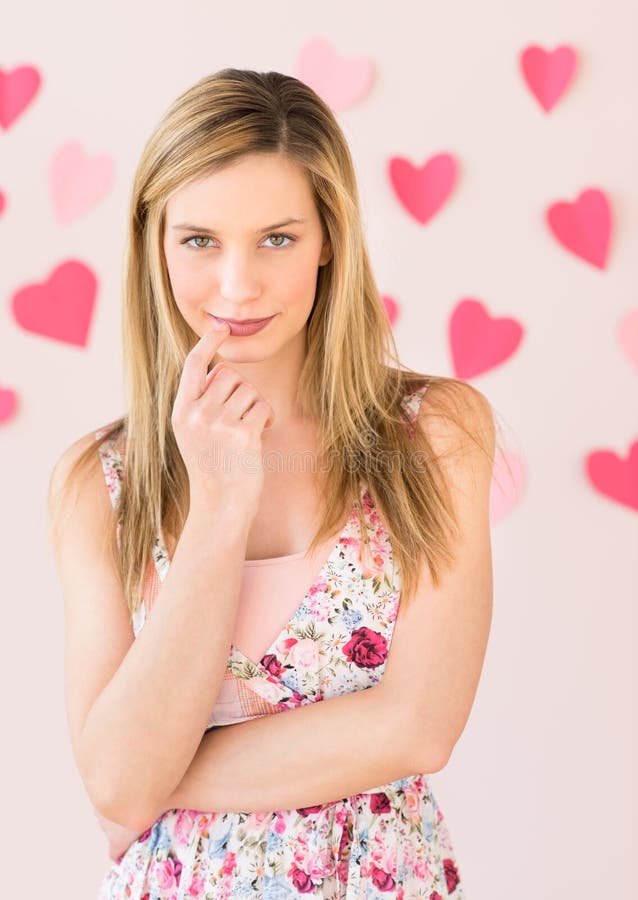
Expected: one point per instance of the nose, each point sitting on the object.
(238, 279)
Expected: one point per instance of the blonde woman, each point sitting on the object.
(280, 505)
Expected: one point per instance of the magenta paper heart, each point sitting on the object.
(423, 190)
(61, 307)
(339, 81)
(18, 87)
(78, 181)
(392, 308)
(8, 404)
(479, 342)
(508, 483)
(548, 74)
(628, 336)
(583, 227)
(614, 477)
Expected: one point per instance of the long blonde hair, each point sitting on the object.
(354, 393)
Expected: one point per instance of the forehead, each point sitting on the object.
(257, 186)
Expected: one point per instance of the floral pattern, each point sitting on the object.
(390, 841)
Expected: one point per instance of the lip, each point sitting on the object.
(243, 327)
(240, 321)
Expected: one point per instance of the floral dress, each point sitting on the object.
(389, 841)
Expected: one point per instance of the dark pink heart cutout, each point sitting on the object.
(584, 226)
(8, 404)
(18, 87)
(61, 307)
(478, 341)
(391, 308)
(613, 476)
(422, 190)
(548, 74)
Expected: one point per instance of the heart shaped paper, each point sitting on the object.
(508, 483)
(18, 88)
(391, 308)
(61, 307)
(613, 476)
(8, 404)
(548, 73)
(422, 190)
(78, 181)
(628, 336)
(340, 81)
(478, 341)
(584, 226)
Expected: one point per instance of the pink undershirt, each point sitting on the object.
(271, 590)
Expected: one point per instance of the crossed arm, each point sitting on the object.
(299, 757)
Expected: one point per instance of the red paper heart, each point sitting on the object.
(61, 307)
(613, 476)
(423, 190)
(8, 404)
(479, 342)
(548, 74)
(18, 87)
(583, 227)
(391, 308)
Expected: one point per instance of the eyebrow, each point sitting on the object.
(184, 226)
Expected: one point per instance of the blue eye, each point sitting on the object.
(204, 237)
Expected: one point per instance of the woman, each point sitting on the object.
(245, 206)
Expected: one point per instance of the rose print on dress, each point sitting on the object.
(366, 648)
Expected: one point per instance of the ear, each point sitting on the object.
(326, 253)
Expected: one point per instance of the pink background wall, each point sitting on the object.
(540, 793)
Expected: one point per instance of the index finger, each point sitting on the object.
(193, 379)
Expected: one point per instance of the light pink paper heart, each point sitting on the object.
(340, 81)
(548, 74)
(422, 190)
(78, 181)
(584, 226)
(61, 307)
(18, 87)
(613, 476)
(508, 483)
(478, 342)
(392, 308)
(8, 404)
(628, 336)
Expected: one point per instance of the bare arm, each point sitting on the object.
(301, 757)
(145, 726)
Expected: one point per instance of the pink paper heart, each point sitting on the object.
(615, 477)
(548, 74)
(479, 342)
(8, 404)
(423, 190)
(3, 203)
(584, 226)
(61, 307)
(18, 87)
(508, 483)
(392, 308)
(78, 181)
(628, 336)
(340, 81)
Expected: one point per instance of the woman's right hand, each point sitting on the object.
(218, 421)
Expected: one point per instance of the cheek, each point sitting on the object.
(187, 283)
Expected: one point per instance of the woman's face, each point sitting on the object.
(231, 251)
